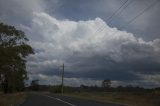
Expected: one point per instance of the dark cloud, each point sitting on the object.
(64, 32)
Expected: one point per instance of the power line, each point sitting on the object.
(99, 29)
(117, 11)
(146, 9)
(131, 1)
(103, 27)
(135, 16)
(133, 19)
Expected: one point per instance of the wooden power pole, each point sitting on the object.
(62, 78)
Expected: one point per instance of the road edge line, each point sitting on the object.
(60, 100)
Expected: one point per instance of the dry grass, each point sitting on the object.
(14, 99)
(129, 98)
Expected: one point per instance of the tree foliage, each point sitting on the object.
(106, 83)
(35, 85)
(13, 51)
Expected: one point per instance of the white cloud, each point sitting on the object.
(66, 37)
(74, 42)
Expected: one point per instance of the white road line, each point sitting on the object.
(60, 100)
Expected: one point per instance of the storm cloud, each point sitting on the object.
(89, 55)
(112, 53)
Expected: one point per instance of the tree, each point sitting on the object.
(35, 85)
(13, 52)
(106, 83)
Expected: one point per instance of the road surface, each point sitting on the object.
(39, 99)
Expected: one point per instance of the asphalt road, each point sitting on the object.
(39, 99)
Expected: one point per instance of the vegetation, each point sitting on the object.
(13, 51)
(35, 85)
(128, 98)
(106, 83)
(13, 99)
(130, 95)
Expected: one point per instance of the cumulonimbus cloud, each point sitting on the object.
(89, 52)
(86, 51)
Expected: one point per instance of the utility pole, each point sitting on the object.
(62, 78)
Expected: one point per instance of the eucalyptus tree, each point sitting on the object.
(13, 52)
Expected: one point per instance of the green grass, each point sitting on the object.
(129, 98)
(13, 99)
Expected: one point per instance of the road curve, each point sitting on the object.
(39, 99)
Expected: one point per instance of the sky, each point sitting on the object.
(92, 39)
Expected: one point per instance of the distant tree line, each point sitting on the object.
(84, 88)
(105, 87)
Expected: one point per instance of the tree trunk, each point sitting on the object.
(5, 86)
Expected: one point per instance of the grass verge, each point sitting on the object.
(14, 99)
(128, 98)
